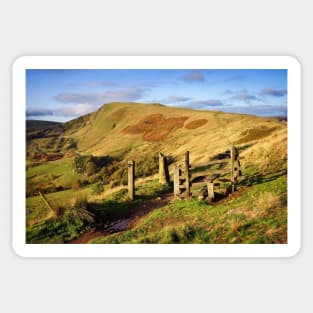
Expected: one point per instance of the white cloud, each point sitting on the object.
(118, 95)
(75, 110)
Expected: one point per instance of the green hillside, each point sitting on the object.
(81, 166)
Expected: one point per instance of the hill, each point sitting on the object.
(119, 127)
(33, 125)
(93, 149)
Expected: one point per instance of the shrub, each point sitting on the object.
(78, 211)
(76, 184)
(119, 177)
(90, 165)
(97, 188)
(79, 164)
(90, 168)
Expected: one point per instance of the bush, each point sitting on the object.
(76, 184)
(119, 177)
(90, 168)
(90, 165)
(97, 188)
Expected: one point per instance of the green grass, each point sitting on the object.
(36, 210)
(70, 222)
(45, 227)
(116, 205)
(56, 230)
(245, 219)
(258, 216)
(58, 167)
(51, 175)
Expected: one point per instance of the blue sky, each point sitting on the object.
(61, 95)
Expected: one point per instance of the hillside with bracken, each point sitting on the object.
(77, 177)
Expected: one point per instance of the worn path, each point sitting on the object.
(123, 224)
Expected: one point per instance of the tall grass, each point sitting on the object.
(68, 225)
(258, 216)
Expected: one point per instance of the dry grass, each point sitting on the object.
(262, 206)
(79, 200)
(269, 150)
(196, 124)
(41, 217)
(235, 224)
(160, 127)
(255, 134)
(266, 203)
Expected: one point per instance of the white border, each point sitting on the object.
(156, 62)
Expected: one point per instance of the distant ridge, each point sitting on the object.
(33, 125)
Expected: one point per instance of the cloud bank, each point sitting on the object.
(245, 97)
(67, 111)
(274, 92)
(174, 99)
(36, 112)
(260, 110)
(77, 104)
(118, 95)
(94, 84)
(205, 103)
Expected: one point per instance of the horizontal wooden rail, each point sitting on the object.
(213, 177)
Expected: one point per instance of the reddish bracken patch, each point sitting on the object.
(50, 156)
(195, 124)
(156, 127)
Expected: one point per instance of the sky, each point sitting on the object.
(61, 95)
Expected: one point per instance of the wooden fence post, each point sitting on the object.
(235, 167)
(176, 181)
(187, 175)
(237, 171)
(131, 180)
(163, 170)
(211, 196)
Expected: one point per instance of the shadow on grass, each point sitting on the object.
(119, 207)
(259, 178)
(111, 210)
(243, 148)
(209, 167)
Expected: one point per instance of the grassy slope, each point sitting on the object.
(264, 153)
(258, 216)
(103, 134)
(58, 172)
(36, 209)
